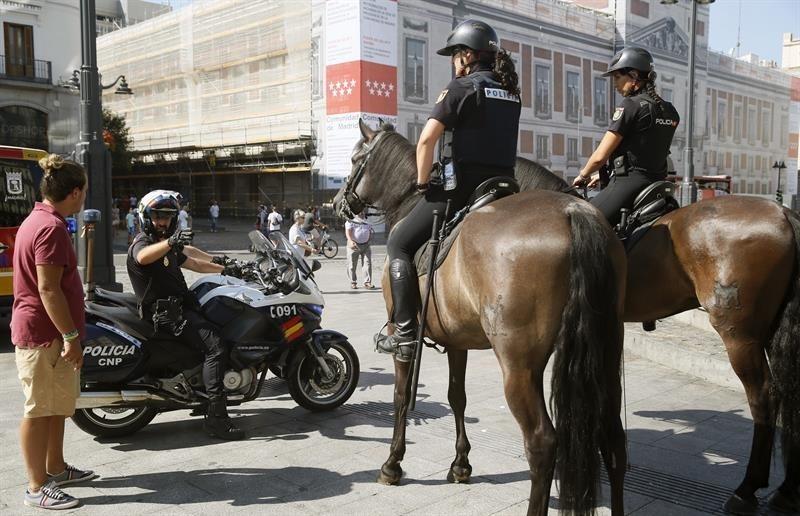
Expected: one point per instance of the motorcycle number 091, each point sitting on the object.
(279, 311)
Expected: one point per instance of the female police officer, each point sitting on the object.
(478, 114)
(639, 137)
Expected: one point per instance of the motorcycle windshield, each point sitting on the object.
(275, 240)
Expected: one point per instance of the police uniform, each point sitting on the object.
(483, 121)
(641, 157)
(162, 279)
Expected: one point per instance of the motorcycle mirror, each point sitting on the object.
(315, 265)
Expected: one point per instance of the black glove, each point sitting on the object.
(232, 268)
(180, 238)
(220, 260)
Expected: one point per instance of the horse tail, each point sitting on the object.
(784, 356)
(588, 349)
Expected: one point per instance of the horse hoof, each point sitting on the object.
(459, 475)
(390, 476)
(743, 506)
(783, 503)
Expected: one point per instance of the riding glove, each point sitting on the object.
(180, 238)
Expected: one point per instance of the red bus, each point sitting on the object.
(20, 176)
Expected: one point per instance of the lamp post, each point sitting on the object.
(780, 165)
(92, 153)
(688, 189)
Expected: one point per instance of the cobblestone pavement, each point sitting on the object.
(688, 431)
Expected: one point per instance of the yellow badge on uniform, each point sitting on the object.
(442, 95)
(166, 261)
(618, 113)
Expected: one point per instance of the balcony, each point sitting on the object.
(37, 71)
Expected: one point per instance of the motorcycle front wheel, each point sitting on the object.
(312, 389)
(113, 421)
(330, 248)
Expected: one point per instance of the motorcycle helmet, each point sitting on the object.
(159, 201)
(473, 34)
(631, 58)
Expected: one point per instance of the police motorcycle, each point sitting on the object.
(270, 317)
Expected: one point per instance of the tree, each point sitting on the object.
(118, 141)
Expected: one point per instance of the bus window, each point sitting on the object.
(20, 176)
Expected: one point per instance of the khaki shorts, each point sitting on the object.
(51, 385)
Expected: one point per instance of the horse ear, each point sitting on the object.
(366, 131)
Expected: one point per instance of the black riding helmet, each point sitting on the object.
(473, 34)
(635, 58)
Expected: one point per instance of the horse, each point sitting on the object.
(739, 258)
(570, 307)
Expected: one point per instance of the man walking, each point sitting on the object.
(359, 232)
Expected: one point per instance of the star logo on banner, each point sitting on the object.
(342, 88)
(381, 89)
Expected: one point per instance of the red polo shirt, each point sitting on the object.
(43, 239)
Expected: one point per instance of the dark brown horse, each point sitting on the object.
(739, 258)
(568, 305)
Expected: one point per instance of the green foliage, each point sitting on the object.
(778, 196)
(118, 141)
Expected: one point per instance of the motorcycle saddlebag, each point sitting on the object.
(110, 355)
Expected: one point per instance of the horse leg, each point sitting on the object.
(749, 362)
(787, 498)
(525, 398)
(460, 469)
(391, 472)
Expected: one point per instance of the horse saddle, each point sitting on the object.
(490, 190)
(652, 203)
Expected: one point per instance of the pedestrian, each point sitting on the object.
(154, 266)
(213, 212)
(130, 224)
(359, 233)
(115, 220)
(275, 219)
(299, 238)
(638, 140)
(47, 327)
(183, 218)
(478, 114)
(261, 219)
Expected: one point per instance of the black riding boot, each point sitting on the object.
(405, 298)
(217, 422)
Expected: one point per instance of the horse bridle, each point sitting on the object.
(351, 203)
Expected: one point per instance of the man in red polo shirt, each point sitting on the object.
(47, 325)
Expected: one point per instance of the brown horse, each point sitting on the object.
(574, 267)
(739, 258)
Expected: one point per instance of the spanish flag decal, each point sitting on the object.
(293, 329)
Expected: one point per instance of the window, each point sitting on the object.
(722, 110)
(737, 122)
(415, 81)
(708, 118)
(573, 110)
(600, 101)
(784, 131)
(542, 147)
(19, 50)
(414, 130)
(766, 125)
(542, 91)
(749, 128)
(572, 150)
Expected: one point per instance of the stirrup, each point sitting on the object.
(403, 350)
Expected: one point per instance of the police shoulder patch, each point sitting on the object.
(441, 97)
(618, 113)
(166, 261)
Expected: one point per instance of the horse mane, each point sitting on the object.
(533, 176)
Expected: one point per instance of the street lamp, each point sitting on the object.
(92, 152)
(688, 189)
(74, 83)
(780, 165)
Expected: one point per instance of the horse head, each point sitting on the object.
(381, 160)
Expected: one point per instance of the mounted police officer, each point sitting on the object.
(637, 141)
(475, 121)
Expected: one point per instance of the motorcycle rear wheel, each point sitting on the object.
(330, 248)
(112, 421)
(312, 390)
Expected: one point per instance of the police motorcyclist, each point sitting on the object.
(154, 261)
(478, 115)
(638, 139)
